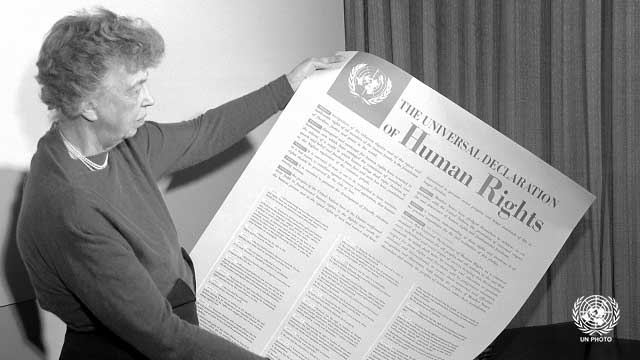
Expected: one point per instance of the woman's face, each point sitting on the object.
(121, 105)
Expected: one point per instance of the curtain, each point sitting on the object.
(561, 78)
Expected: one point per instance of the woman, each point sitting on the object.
(94, 231)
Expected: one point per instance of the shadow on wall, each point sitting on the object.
(15, 285)
(16, 281)
(32, 115)
(196, 172)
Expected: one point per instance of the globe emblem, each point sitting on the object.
(596, 314)
(369, 83)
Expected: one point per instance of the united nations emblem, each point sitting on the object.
(369, 84)
(596, 314)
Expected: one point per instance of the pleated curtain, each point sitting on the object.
(561, 78)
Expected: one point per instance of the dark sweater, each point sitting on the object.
(101, 248)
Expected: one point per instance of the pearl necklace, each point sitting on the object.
(75, 153)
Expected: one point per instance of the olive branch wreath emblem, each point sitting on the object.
(578, 321)
(374, 100)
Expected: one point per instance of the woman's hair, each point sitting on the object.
(79, 49)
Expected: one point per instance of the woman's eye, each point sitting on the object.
(136, 91)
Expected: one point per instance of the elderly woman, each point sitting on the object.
(94, 232)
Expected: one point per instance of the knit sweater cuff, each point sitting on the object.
(282, 91)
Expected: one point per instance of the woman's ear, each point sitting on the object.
(88, 111)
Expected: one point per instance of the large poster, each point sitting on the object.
(379, 220)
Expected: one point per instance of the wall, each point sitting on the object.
(216, 50)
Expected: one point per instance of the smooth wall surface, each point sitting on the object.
(216, 50)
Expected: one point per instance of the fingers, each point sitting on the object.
(332, 59)
(308, 66)
(327, 62)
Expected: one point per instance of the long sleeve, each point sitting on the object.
(171, 147)
(101, 268)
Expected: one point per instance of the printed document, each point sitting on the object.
(379, 220)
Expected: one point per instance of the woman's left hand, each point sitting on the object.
(308, 66)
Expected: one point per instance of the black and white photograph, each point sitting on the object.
(320, 180)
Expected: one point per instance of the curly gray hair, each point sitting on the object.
(79, 49)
